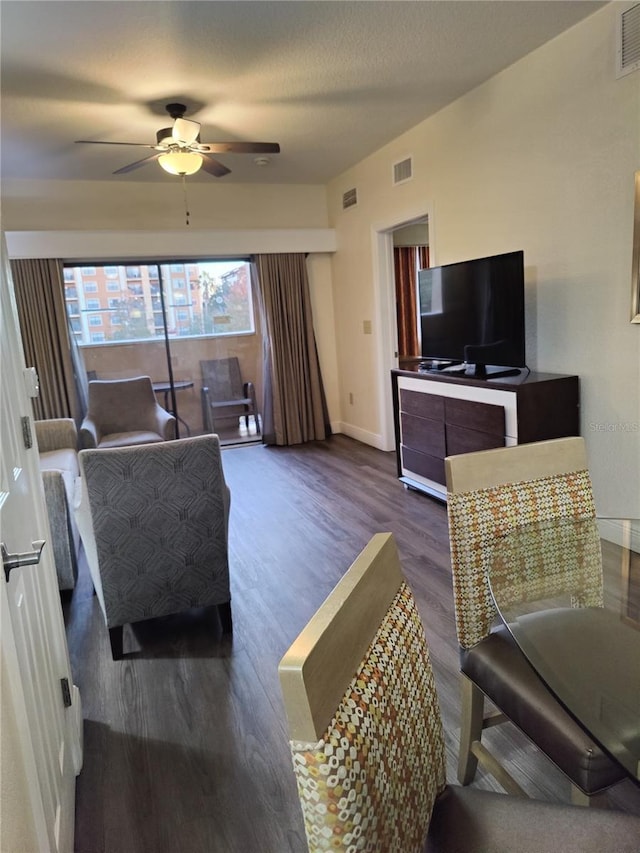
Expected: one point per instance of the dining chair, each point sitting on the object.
(368, 746)
(489, 493)
(154, 520)
(123, 412)
(224, 394)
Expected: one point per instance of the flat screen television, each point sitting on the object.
(472, 315)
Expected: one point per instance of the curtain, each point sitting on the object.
(295, 408)
(39, 289)
(407, 260)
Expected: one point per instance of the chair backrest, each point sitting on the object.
(365, 726)
(123, 405)
(491, 492)
(223, 378)
(156, 527)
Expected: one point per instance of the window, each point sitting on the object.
(97, 337)
(87, 271)
(219, 300)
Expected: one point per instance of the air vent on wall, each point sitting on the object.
(628, 38)
(402, 171)
(349, 198)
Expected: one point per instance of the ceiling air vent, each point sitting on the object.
(628, 46)
(349, 198)
(402, 171)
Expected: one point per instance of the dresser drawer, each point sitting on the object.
(431, 467)
(483, 417)
(423, 435)
(462, 440)
(423, 405)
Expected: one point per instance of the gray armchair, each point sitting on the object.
(123, 412)
(154, 522)
(58, 446)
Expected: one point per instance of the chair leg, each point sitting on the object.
(470, 729)
(224, 610)
(115, 638)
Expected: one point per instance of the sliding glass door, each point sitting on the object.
(170, 321)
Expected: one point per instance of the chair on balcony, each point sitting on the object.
(154, 521)
(368, 746)
(224, 395)
(124, 412)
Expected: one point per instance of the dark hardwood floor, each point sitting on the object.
(185, 739)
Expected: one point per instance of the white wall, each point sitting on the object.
(540, 158)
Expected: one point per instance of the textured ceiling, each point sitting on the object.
(330, 81)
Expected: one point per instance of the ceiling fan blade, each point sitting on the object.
(213, 167)
(185, 131)
(243, 147)
(100, 142)
(137, 164)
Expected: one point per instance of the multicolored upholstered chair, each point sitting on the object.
(368, 745)
(154, 522)
(489, 493)
(123, 412)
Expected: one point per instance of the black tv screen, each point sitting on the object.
(473, 312)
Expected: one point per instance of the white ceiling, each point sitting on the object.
(330, 81)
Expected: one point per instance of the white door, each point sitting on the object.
(41, 740)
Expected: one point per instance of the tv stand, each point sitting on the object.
(440, 413)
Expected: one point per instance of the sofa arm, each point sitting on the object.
(89, 434)
(61, 526)
(55, 434)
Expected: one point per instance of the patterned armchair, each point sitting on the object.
(367, 739)
(123, 412)
(490, 493)
(154, 521)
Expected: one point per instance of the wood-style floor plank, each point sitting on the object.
(185, 739)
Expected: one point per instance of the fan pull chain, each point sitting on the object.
(186, 205)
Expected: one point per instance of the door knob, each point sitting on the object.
(27, 558)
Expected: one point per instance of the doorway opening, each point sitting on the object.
(388, 356)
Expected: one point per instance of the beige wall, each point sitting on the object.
(540, 158)
(126, 204)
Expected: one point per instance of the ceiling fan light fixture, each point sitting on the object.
(180, 162)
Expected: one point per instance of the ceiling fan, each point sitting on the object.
(180, 152)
